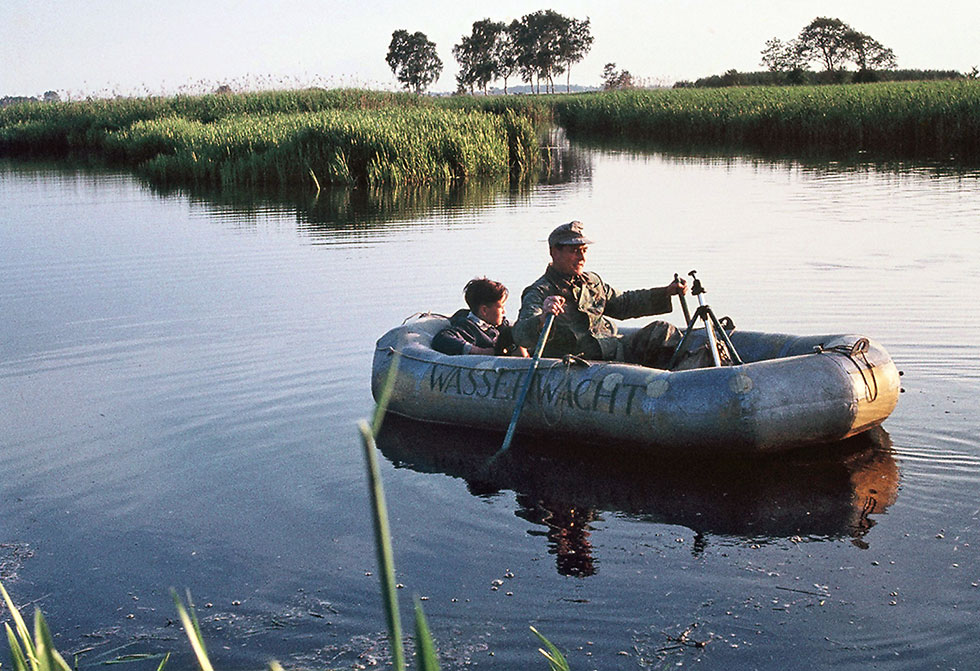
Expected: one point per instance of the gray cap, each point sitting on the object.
(572, 233)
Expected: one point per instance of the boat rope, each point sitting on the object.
(858, 354)
(420, 315)
(566, 363)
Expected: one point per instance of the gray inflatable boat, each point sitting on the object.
(789, 391)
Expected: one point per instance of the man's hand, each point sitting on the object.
(678, 287)
(553, 305)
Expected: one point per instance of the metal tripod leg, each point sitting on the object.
(711, 323)
(687, 336)
(736, 359)
(710, 332)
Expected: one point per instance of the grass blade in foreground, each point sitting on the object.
(385, 396)
(425, 647)
(27, 652)
(556, 660)
(38, 654)
(382, 542)
(48, 658)
(193, 630)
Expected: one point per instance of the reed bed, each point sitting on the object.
(387, 146)
(310, 137)
(344, 136)
(58, 127)
(935, 119)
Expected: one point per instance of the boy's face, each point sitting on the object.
(492, 313)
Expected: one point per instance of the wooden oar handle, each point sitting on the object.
(542, 339)
(683, 299)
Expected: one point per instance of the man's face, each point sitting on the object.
(569, 259)
(492, 313)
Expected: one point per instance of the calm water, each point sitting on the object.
(180, 378)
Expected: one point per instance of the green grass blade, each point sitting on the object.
(48, 658)
(22, 631)
(556, 660)
(385, 396)
(16, 652)
(193, 630)
(425, 647)
(163, 662)
(382, 542)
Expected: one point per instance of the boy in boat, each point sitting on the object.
(482, 329)
(582, 303)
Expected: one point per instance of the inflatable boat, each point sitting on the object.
(788, 391)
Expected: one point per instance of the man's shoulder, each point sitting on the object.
(537, 285)
(593, 282)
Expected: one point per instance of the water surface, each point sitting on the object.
(181, 373)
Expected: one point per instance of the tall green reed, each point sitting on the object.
(387, 146)
(278, 138)
(938, 118)
(933, 118)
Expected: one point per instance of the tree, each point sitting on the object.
(413, 60)
(779, 56)
(616, 79)
(833, 44)
(478, 54)
(573, 46)
(538, 40)
(823, 40)
(466, 57)
(507, 52)
(865, 51)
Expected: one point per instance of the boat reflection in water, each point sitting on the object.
(820, 493)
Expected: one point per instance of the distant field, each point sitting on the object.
(354, 136)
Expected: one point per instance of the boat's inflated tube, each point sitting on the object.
(790, 391)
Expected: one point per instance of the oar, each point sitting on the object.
(683, 300)
(542, 339)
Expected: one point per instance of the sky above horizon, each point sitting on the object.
(105, 47)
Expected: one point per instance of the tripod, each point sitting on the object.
(712, 327)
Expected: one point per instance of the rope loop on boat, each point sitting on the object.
(858, 354)
(566, 362)
(419, 315)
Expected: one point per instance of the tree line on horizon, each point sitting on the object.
(538, 47)
(545, 44)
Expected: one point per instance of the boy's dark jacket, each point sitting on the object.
(462, 332)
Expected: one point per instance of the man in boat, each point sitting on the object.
(583, 303)
(481, 329)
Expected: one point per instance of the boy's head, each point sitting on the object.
(486, 299)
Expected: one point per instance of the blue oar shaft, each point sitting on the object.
(542, 339)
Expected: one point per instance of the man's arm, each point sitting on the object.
(530, 319)
(642, 302)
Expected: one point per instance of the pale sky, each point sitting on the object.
(100, 47)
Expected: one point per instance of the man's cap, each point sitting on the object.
(572, 233)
